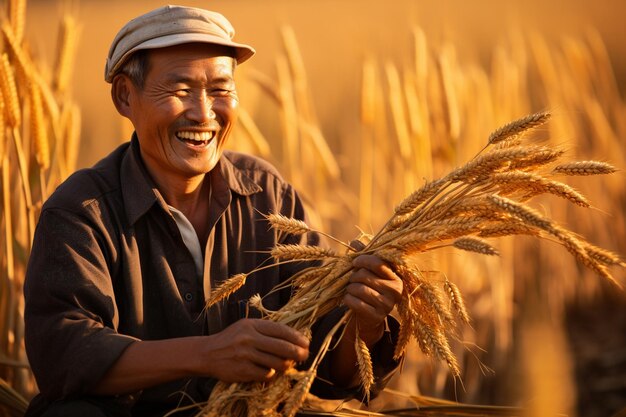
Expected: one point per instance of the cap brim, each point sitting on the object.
(242, 51)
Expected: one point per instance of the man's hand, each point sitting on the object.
(248, 350)
(372, 293)
(254, 350)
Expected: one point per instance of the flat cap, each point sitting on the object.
(168, 26)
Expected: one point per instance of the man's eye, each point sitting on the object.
(182, 92)
(221, 91)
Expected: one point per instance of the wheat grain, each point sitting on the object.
(474, 244)
(602, 255)
(17, 15)
(66, 53)
(457, 300)
(219, 400)
(531, 184)
(484, 165)
(406, 314)
(38, 132)
(518, 126)
(23, 60)
(310, 276)
(364, 361)
(525, 213)
(288, 225)
(411, 277)
(391, 255)
(585, 168)
(437, 344)
(418, 241)
(226, 288)
(9, 92)
(301, 252)
(510, 228)
(298, 394)
(522, 178)
(419, 196)
(565, 191)
(256, 301)
(539, 157)
(451, 228)
(469, 208)
(264, 404)
(427, 292)
(577, 247)
(3, 136)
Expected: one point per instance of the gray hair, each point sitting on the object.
(136, 67)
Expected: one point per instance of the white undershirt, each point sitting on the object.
(190, 238)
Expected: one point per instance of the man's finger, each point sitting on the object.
(362, 308)
(388, 288)
(382, 302)
(281, 331)
(376, 265)
(280, 341)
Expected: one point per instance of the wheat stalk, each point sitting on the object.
(34, 141)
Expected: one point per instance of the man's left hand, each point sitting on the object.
(373, 291)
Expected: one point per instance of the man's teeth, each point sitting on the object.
(196, 136)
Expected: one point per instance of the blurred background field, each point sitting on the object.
(358, 103)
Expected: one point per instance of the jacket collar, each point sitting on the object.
(140, 192)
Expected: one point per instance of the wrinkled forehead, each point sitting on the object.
(188, 63)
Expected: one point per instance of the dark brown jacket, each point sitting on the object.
(109, 267)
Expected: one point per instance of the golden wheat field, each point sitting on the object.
(359, 104)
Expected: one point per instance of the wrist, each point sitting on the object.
(193, 356)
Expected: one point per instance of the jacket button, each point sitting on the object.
(188, 296)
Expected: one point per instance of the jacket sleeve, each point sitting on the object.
(70, 310)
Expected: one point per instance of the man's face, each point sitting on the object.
(186, 109)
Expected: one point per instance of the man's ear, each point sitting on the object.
(121, 90)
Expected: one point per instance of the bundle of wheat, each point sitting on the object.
(485, 198)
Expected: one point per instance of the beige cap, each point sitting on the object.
(172, 25)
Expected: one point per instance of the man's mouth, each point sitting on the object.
(197, 139)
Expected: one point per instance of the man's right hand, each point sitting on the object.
(248, 350)
(253, 350)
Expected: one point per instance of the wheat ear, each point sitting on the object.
(364, 361)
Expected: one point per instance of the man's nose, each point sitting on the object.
(202, 109)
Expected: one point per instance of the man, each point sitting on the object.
(126, 253)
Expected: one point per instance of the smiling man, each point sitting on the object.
(126, 253)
